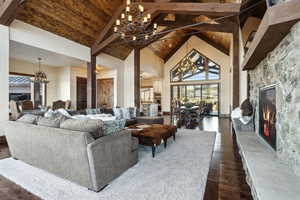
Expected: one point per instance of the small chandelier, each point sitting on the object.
(40, 76)
(133, 25)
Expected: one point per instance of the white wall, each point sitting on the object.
(82, 72)
(128, 86)
(209, 51)
(63, 86)
(20, 66)
(4, 69)
(33, 36)
(150, 63)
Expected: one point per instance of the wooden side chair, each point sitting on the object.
(58, 104)
(27, 105)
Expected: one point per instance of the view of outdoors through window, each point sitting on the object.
(195, 67)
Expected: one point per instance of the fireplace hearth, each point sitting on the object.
(267, 115)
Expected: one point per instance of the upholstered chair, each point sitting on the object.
(15, 113)
(58, 104)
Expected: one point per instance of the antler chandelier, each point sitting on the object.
(134, 25)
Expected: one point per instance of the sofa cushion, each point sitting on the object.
(29, 119)
(52, 121)
(126, 113)
(107, 111)
(92, 126)
(132, 111)
(112, 127)
(118, 113)
(93, 111)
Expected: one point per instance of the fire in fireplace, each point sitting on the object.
(267, 115)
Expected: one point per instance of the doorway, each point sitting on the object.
(206, 95)
(81, 88)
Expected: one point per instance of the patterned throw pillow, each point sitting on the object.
(118, 113)
(126, 113)
(29, 119)
(113, 127)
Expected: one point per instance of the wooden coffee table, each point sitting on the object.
(152, 135)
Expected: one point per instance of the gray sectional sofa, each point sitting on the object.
(73, 155)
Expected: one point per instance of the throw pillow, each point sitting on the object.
(93, 111)
(49, 113)
(29, 119)
(126, 113)
(132, 111)
(113, 127)
(52, 121)
(118, 113)
(49, 122)
(92, 126)
(246, 107)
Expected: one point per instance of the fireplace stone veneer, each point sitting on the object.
(282, 67)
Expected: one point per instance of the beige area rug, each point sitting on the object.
(176, 173)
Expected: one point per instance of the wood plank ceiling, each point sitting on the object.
(83, 20)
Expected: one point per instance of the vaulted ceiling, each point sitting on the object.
(83, 20)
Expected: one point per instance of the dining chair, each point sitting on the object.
(27, 105)
(58, 104)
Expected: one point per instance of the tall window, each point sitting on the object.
(195, 67)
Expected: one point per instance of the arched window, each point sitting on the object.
(195, 67)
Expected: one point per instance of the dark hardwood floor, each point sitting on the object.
(226, 178)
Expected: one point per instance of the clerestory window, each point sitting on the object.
(195, 67)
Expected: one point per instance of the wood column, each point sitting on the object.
(91, 83)
(137, 72)
(236, 66)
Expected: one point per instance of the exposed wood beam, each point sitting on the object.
(157, 37)
(97, 49)
(202, 27)
(174, 50)
(91, 83)
(236, 66)
(213, 9)
(8, 10)
(137, 73)
(213, 27)
(109, 25)
(212, 43)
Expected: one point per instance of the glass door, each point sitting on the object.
(204, 95)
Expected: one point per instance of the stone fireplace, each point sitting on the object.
(267, 115)
(282, 68)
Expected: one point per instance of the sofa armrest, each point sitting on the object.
(108, 157)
